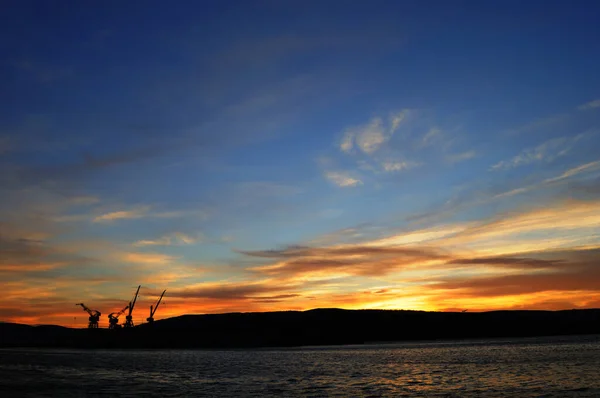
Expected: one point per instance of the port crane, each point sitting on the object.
(94, 316)
(113, 318)
(129, 318)
(154, 308)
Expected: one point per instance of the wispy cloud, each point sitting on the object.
(591, 166)
(546, 152)
(478, 196)
(371, 136)
(397, 143)
(397, 118)
(149, 258)
(430, 137)
(177, 238)
(234, 291)
(589, 105)
(367, 138)
(347, 142)
(566, 175)
(342, 179)
(391, 166)
(123, 214)
(143, 212)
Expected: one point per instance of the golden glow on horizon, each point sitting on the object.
(454, 266)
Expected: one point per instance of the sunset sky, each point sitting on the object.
(289, 155)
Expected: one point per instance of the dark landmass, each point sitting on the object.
(314, 327)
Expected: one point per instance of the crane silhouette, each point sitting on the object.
(153, 309)
(113, 318)
(94, 316)
(129, 318)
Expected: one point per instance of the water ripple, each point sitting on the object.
(559, 367)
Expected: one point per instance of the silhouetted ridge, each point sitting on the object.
(323, 326)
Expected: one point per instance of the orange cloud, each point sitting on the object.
(148, 258)
(123, 214)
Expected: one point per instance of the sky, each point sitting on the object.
(290, 155)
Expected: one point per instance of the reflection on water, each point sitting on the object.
(549, 367)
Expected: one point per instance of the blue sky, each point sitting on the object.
(174, 144)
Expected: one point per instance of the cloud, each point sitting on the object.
(371, 136)
(547, 152)
(26, 268)
(430, 137)
(397, 119)
(144, 212)
(579, 280)
(573, 172)
(507, 261)
(123, 214)
(347, 235)
(25, 259)
(343, 250)
(473, 198)
(164, 241)
(64, 173)
(232, 291)
(347, 142)
(149, 258)
(378, 147)
(342, 261)
(342, 179)
(176, 238)
(365, 260)
(17, 250)
(591, 166)
(590, 105)
(391, 166)
(564, 223)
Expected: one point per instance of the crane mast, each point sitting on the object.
(153, 309)
(129, 318)
(94, 316)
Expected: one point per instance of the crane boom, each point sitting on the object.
(86, 309)
(89, 311)
(131, 305)
(153, 309)
(118, 314)
(129, 318)
(157, 304)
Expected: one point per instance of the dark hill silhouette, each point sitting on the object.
(313, 327)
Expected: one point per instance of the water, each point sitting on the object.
(543, 367)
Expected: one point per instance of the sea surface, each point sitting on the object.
(533, 367)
